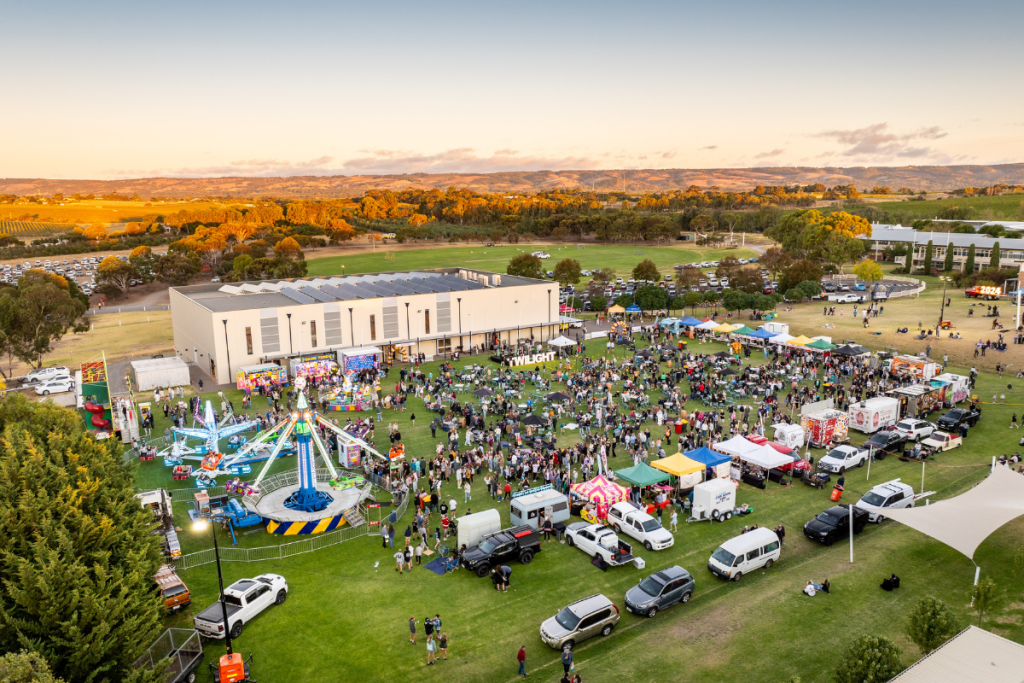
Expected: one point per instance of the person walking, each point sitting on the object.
(412, 630)
(399, 561)
(1013, 422)
(673, 520)
(567, 659)
(521, 658)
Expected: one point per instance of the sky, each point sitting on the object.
(119, 90)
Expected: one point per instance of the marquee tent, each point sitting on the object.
(737, 446)
(601, 490)
(763, 334)
(726, 328)
(616, 309)
(561, 341)
(766, 457)
(690, 322)
(821, 345)
(642, 475)
(707, 325)
(800, 341)
(633, 308)
(781, 338)
(964, 521)
(744, 330)
(678, 465)
(717, 461)
(850, 350)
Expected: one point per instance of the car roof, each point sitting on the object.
(839, 511)
(670, 573)
(891, 486)
(589, 605)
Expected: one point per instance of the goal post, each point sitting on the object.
(389, 256)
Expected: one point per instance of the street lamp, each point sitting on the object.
(227, 345)
(942, 309)
(290, 348)
(200, 526)
(459, 299)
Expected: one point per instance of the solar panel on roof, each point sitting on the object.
(297, 296)
(317, 294)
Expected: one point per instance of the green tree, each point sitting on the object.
(115, 274)
(598, 302)
(141, 259)
(947, 265)
(969, 263)
(870, 659)
(178, 267)
(651, 298)
(26, 667)
(525, 265)
(36, 314)
(928, 258)
(567, 272)
(734, 300)
(678, 303)
(810, 288)
(624, 300)
(241, 265)
(712, 297)
(994, 263)
(984, 598)
(868, 270)
(78, 555)
(838, 248)
(763, 302)
(693, 299)
(930, 624)
(646, 270)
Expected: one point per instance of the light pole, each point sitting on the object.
(200, 525)
(227, 345)
(290, 349)
(942, 309)
(459, 299)
(351, 327)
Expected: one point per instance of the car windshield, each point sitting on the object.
(567, 620)
(651, 586)
(872, 498)
(724, 556)
(828, 519)
(651, 525)
(837, 453)
(905, 425)
(488, 545)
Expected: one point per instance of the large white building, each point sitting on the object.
(223, 327)
(1011, 249)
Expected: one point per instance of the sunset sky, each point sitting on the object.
(118, 89)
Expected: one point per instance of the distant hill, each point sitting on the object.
(653, 180)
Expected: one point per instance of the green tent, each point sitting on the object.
(821, 345)
(743, 329)
(642, 475)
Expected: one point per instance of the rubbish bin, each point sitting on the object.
(837, 493)
(679, 426)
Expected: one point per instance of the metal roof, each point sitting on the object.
(898, 233)
(972, 656)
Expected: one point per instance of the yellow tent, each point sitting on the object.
(726, 327)
(620, 309)
(678, 465)
(799, 341)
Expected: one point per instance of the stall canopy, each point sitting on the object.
(725, 327)
(601, 490)
(568, 320)
(964, 521)
(633, 308)
(763, 334)
(690, 321)
(561, 342)
(781, 338)
(678, 465)
(557, 397)
(850, 350)
(743, 329)
(707, 457)
(800, 341)
(821, 345)
(641, 475)
(616, 309)
(766, 457)
(737, 445)
(708, 325)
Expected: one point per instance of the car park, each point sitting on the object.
(889, 441)
(627, 518)
(956, 417)
(892, 495)
(660, 591)
(842, 458)
(520, 542)
(580, 621)
(243, 601)
(834, 523)
(915, 429)
(58, 385)
(756, 549)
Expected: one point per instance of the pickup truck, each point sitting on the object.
(173, 591)
(598, 540)
(520, 542)
(941, 441)
(244, 599)
(626, 517)
(952, 420)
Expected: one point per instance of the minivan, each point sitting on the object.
(579, 621)
(745, 553)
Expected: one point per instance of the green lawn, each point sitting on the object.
(1003, 207)
(346, 619)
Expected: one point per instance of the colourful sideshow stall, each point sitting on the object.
(314, 367)
(266, 374)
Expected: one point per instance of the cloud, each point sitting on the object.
(875, 141)
(709, 147)
(461, 160)
(769, 155)
(669, 154)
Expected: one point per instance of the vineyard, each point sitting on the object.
(26, 230)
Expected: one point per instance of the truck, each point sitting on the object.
(826, 427)
(173, 591)
(952, 388)
(599, 541)
(629, 519)
(988, 293)
(521, 542)
(243, 600)
(941, 441)
(873, 414)
(915, 366)
(916, 400)
(183, 647)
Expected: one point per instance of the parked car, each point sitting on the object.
(859, 286)
(952, 420)
(244, 599)
(842, 458)
(886, 442)
(660, 591)
(941, 441)
(834, 523)
(173, 591)
(915, 429)
(745, 553)
(43, 374)
(848, 299)
(627, 518)
(519, 542)
(579, 621)
(892, 495)
(598, 540)
(55, 386)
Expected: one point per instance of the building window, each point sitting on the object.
(312, 332)
(248, 340)
(373, 328)
(426, 321)
(444, 346)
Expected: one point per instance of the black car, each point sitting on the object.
(834, 523)
(951, 421)
(519, 542)
(886, 442)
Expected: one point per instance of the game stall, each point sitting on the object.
(270, 375)
(600, 494)
(315, 367)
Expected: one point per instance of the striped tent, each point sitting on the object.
(600, 489)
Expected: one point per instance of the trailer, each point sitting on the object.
(917, 400)
(920, 368)
(183, 647)
(528, 507)
(875, 413)
(826, 427)
(952, 388)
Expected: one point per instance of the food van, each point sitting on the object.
(952, 388)
(826, 427)
(915, 366)
(917, 400)
(875, 413)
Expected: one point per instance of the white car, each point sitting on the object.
(55, 386)
(713, 281)
(743, 261)
(585, 273)
(714, 264)
(914, 429)
(244, 599)
(705, 264)
(848, 299)
(44, 374)
(598, 540)
(892, 494)
(842, 458)
(627, 518)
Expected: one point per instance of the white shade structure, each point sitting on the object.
(781, 338)
(707, 325)
(561, 342)
(737, 446)
(766, 457)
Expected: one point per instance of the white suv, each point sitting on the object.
(55, 386)
(44, 374)
(893, 495)
(915, 429)
(842, 458)
(627, 518)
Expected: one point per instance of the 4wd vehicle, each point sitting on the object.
(243, 599)
(625, 517)
(842, 458)
(886, 442)
(952, 420)
(892, 495)
(848, 299)
(915, 429)
(579, 621)
(44, 374)
(834, 523)
(172, 589)
(519, 542)
(660, 591)
(598, 540)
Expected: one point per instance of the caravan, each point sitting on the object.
(528, 507)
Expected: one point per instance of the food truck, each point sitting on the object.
(873, 414)
(917, 400)
(952, 388)
(826, 427)
(915, 366)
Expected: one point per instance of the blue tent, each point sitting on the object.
(708, 457)
(690, 321)
(763, 334)
(633, 309)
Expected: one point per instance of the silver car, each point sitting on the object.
(660, 591)
(579, 621)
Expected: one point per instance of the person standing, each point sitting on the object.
(431, 649)
(673, 520)
(468, 490)
(399, 561)
(567, 659)
(521, 658)
(412, 630)
(442, 645)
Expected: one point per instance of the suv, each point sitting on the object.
(520, 542)
(892, 494)
(952, 420)
(580, 620)
(173, 592)
(886, 442)
(660, 591)
(915, 429)
(625, 517)
(842, 458)
(43, 374)
(834, 523)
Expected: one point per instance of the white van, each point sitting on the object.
(473, 528)
(528, 507)
(745, 553)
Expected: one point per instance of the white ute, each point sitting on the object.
(627, 518)
(244, 599)
(893, 495)
(598, 540)
(842, 458)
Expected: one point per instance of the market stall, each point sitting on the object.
(314, 367)
(781, 338)
(600, 494)
(268, 375)
(799, 341)
(689, 473)
(718, 462)
(616, 310)
(642, 475)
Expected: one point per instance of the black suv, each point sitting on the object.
(886, 442)
(834, 523)
(519, 542)
(951, 421)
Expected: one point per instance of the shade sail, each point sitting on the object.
(821, 345)
(763, 334)
(601, 490)
(707, 325)
(707, 457)
(800, 341)
(781, 338)
(964, 521)
(642, 474)
(678, 465)
(616, 309)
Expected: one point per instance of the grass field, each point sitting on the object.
(346, 618)
(1003, 207)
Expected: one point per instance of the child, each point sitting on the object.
(673, 520)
